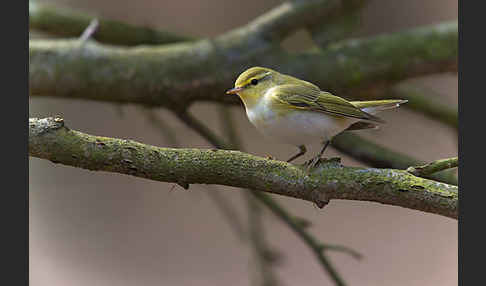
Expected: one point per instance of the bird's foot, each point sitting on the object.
(312, 163)
(316, 161)
(321, 204)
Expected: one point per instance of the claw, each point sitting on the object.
(313, 163)
(321, 204)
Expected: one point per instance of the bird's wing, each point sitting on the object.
(312, 99)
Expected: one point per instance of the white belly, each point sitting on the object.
(297, 127)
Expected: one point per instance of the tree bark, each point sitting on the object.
(50, 139)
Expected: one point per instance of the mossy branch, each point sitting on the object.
(50, 139)
(64, 22)
(327, 20)
(176, 75)
(434, 167)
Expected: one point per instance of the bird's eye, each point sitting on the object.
(254, 81)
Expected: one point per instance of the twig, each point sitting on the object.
(344, 249)
(89, 31)
(434, 167)
(379, 156)
(265, 256)
(316, 247)
(203, 130)
(229, 127)
(228, 211)
(166, 131)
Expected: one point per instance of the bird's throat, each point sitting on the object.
(250, 101)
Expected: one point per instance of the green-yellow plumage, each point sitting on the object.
(297, 112)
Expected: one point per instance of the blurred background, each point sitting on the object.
(96, 228)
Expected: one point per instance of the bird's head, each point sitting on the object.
(252, 84)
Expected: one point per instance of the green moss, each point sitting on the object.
(330, 180)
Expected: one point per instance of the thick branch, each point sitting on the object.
(176, 75)
(64, 22)
(434, 167)
(49, 139)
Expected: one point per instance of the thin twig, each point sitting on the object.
(434, 167)
(89, 31)
(161, 125)
(343, 249)
(229, 127)
(378, 156)
(317, 248)
(202, 130)
(265, 256)
(228, 211)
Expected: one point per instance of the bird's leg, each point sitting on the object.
(301, 152)
(316, 159)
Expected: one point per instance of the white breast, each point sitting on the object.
(297, 127)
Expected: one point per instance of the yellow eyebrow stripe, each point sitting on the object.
(258, 77)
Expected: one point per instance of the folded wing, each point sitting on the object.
(308, 98)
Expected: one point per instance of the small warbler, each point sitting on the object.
(297, 112)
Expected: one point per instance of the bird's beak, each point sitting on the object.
(234, 90)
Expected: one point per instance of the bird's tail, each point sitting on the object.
(375, 106)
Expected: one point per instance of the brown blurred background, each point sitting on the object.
(93, 228)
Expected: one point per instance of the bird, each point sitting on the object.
(298, 113)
